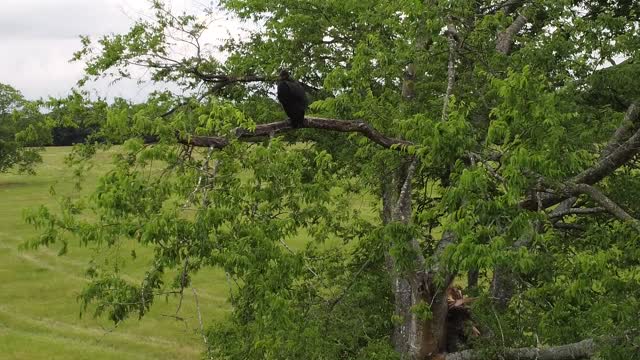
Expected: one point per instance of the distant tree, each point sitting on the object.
(495, 143)
(77, 118)
(22, 130)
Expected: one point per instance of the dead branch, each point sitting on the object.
(477, 158)
(226, 79)
(584, 349)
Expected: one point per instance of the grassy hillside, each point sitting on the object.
(39, 312)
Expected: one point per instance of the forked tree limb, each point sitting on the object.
(624, 145)
(506, 38)
(604, 167)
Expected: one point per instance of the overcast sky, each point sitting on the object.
(38, 37)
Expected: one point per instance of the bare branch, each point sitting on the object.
(204, 336)
(606, 203)
(624, 131)
(577, 211)
(603, 168)
(569, 226)
(563, 207)
(404, 199)
(506, 37)
(293, 252)
(453, 39)
(610, 163)
(512, 5)
(490, 169)
(345, 291)
(508, 6)
(262, 130)
(577, 351)
(227, 79)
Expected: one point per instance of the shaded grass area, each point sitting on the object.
(39, 311)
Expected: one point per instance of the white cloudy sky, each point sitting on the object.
(38, 37)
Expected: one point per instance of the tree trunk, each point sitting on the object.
(502, 287)
(415, 337)
(504, 282)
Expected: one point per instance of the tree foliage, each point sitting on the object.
(77, 118)
(22, 130)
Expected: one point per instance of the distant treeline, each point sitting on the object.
(67, 135)
(76, 119)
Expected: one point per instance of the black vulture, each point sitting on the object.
(293, 99)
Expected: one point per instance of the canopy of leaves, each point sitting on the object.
(77, 118)
(22, 130)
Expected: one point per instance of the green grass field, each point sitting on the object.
(39, 311)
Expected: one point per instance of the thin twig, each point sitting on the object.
(293, 252)
(204, 336)
(452, 34)
(226, 274)
(346, 289)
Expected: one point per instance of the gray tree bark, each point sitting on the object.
(585, 349)
(414, 337)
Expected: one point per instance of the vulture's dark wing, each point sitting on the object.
(293, 99)
(297, 91)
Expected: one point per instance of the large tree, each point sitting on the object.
(22, 130)
(77, 117)
(495, 141)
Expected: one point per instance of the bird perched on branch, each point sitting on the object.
(292, 96)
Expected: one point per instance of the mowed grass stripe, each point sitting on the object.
(56, 325)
